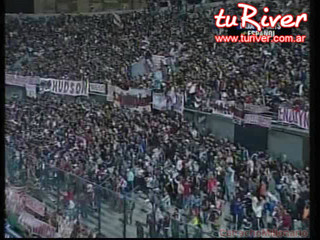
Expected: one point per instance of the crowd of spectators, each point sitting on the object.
(100, 48)
(162, 156)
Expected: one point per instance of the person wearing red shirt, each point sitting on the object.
(248, 99)
(69, 195)
(286, 221)
(211, 185)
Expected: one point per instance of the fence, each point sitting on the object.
(98, 207)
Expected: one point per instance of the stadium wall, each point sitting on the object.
(289, 144)
(13, 91)
(278, 140)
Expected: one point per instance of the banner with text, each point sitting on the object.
(256, 108)
(259, 120)
(64, 87)
(98, 88)
(299, 118)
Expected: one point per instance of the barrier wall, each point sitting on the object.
(11, 91)
(286, 143)
(292, 142)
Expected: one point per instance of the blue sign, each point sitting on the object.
(247, 27)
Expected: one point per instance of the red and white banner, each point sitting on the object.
(18, 200)
(257, 120)
(15, 200)
(36, 226)
(137, 99)
(21, 81)
(299, 118)
(35, 205)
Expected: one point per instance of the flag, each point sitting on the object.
(117, 20)
(88, 84)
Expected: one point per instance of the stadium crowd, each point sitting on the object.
(103, 47)
(159, 154)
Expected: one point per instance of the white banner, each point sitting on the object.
(111, 91)
(159, 101)
(31, 91)
(178, 106)
(64, 87)
(256, 108)
(157, 59)
(20, 81)
(299, 118)
(257, 120)
(171, 101)
(97, 87)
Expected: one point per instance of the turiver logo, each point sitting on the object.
(286, 21)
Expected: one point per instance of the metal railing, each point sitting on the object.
(112, 213)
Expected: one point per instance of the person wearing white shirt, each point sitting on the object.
(250, 166)
(130, 179)
(179, 165)
(257, 207)
(229, 183)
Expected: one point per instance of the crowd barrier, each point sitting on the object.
(283, 142)
(99, 208)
